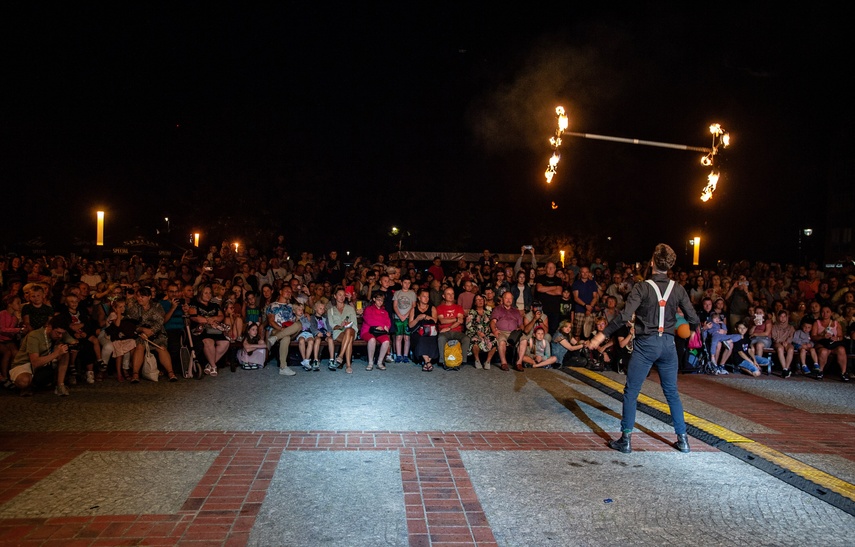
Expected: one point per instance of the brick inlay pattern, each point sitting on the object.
(441, 505)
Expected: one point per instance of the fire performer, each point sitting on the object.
(654, 304)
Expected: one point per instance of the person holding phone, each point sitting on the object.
(43, 352)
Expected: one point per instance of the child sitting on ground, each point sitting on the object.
(540, 353)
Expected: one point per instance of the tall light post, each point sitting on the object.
(166, 219)
(807, 232)
(696, 258)
(99, 231)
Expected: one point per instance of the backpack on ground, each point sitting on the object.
(452, 355)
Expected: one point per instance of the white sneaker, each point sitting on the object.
(285, 371)
(307, 365)
(478, 365)
(390, 359)
(487, 366)
(90, 377)
(61, 390)
(271, 341)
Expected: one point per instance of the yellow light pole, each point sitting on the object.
(696, 259)
(99, 232)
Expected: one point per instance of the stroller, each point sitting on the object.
(698, 360)
(190, 366)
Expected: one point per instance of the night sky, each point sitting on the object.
(332, 124)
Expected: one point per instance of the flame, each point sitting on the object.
(549, 174)
(553, 161)
(712, 182)
(716, 129)
(554, 206)
(706, 160)
(725, 140)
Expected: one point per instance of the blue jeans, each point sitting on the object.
(650, 350)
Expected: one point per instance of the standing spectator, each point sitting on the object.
(585, 297)
(547, 289)
(403, 301)
(739, 298)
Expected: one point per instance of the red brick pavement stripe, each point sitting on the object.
(441, 505)
(796, 430)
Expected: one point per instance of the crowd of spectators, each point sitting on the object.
(72, 319)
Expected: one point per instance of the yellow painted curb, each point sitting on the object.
(818, 477)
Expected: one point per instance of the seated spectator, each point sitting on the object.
(376, 325)
(11, 330)
(423, 331)
(149, 316)
(208, 318)
(306, 342)
(827, 335)
(539, 354)
(322, 333)
(42, 359)
(36, 312)
(478, 331)
(782, 341)
(746, 360)
(281, 327)
(232, 322)
(450, 319)
(76, 322)
(739, 298)
(342, 319)
(760, 331)
(564, 346)
(506, 324)
(698, 291)
(803, 344)
(253, 352)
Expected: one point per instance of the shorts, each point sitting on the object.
(20, 369)
(828, 344)
(400, 327)
(765, 340)
(381, 338)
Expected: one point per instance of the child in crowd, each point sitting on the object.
(306, 338)
(803, 344)
(403, 300)
(782, 342)
(746, 360)
(322, 334)
(254, 351)
(540, 353)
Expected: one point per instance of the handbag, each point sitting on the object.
(149, 368)
(695, 340)
(427, 329)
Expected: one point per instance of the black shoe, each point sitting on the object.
(818, 375)
(844, 377)
(624, 444)
(682, 443)
(786, 373)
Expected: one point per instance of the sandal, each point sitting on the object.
(349, 369)
(381, 366)
(427, 367)
(173, 377)
(370, 366)
(135, 379)
(340, 363)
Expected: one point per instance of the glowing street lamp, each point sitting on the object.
(561, 254)
(196, 239)
(696, 259)
(99, 232)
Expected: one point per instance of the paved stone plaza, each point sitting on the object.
(402, 457)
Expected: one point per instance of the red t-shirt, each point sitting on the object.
(449, 311)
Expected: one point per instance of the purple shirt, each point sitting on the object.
(507, 319)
